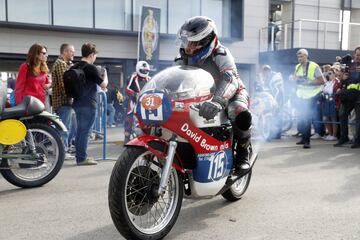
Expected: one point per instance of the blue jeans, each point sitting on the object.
(85, 117)
(318, 116)
(65, 114)
(72, 133)
(111, 111)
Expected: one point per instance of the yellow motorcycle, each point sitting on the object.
(31, 150)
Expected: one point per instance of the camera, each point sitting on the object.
(301, 80)
(345, 62)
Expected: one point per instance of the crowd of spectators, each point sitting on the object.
(34, 78)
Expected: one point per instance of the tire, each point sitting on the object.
(51, 149)
(237, 190)
(131, 198)
(266, 127)
(286, 122)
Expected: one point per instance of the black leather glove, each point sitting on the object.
(208, 110)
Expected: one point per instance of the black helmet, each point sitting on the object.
(198, 37)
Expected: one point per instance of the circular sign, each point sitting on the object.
(151, 102)
(153, 107)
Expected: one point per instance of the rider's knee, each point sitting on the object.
(243, 120)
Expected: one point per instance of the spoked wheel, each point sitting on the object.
(265, 127)
(138, 212)
(238, 189)
(43, 167)
(286, 121)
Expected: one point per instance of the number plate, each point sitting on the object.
(151, 101)
(153, 107)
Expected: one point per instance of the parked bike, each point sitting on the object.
(270, 120)
(180, 155)
(31, 150)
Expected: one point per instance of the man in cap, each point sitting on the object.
(309, 80)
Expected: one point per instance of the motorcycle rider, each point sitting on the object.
(136, 83)
(200, 47)
(273, 81)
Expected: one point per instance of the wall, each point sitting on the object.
(354, 29)
(313, 34)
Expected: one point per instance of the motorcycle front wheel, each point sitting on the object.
(136, 209)
(50, 158)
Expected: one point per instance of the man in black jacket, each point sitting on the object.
(85, 105)
(350, 99)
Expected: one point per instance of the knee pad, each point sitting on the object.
(243, 120)
(241, 126)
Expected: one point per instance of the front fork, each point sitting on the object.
(167, 167)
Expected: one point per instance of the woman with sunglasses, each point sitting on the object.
(32, 77)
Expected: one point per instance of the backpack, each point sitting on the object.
(75, 81)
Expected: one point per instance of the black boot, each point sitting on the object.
(242, 134)
(243, 152)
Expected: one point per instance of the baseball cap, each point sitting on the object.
(302, 51)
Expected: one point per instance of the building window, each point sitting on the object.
(182, 10)
(2, 10)
(217, 10)
(162, 4)
(237, 19)
(40, 11)
(73, 13)
(213, 10)
(110, 14)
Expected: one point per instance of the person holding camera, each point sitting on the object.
(309, 80)
(350, 99)
(330, 104)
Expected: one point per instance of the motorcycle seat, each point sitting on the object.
(29, 106)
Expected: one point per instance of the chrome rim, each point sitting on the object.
(147, 212)
(240, 184)
(48, 149)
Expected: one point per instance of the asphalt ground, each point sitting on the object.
(294, 193)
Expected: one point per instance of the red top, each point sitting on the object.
(28, 84)
(337, 86)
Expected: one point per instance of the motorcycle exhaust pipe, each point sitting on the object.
(232, 179)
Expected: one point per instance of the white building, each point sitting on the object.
(113, 26)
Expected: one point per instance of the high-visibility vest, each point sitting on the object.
(355, 86)
(307, 91)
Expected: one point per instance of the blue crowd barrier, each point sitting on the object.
(100, 123)
(332, 122)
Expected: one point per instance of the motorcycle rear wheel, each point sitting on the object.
(238, 189)
(51, 149)
(134, 207)
(266, 127)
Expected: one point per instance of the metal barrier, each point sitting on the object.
(309, 33)
(100, 123)
(331, 122)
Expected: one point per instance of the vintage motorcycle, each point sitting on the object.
(180, 155)
(31, 150)
(266, 111)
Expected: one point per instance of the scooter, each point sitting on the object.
(181, 155)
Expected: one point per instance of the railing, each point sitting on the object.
(307, 33)
(100, 123)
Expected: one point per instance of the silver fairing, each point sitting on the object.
(182, 82)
